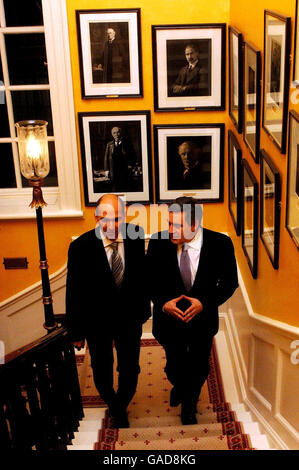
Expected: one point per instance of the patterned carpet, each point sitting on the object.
(154, 425)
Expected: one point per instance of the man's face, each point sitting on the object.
(110, 34)
(189, 155)
(116, 133)
(110, 217)
(191, 55)
(180, 231)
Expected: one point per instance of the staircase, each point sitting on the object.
(220, 425)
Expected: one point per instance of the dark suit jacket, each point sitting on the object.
(118, 168)
(215, 282)
(190, 79)
(94, 304)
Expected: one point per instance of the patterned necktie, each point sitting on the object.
(185, 268)
(117, 266)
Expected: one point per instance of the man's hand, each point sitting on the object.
(171, 308)
(195, 308)
(78, 344)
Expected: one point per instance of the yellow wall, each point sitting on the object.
(273, 293)
(18, 238)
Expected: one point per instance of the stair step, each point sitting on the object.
(85, 437)
(91, 414)
(89, 425)
(259, 442)
(81, 447)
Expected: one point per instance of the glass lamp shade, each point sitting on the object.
(33, 149)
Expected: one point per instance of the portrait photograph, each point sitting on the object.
(250, 217)
(252, 99)
(235, 38)
(235, 180)
(189, 67)
(276, 72)
(292, 209)
(270, 207)
(110, 53)
(116, 157)
(189, 161)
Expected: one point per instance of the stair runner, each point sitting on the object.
(154, 425)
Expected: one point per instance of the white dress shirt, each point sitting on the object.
(194, 248)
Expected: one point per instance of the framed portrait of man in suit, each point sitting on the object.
(189, 67)
(189, 161)
(116, 155)
(109, 46)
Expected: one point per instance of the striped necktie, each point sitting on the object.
(117, 266)
(185, 268)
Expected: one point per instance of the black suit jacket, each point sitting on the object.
(215, 282)
(94, 304)
(190, 79)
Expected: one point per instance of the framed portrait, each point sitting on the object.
(116, 155)
(109, 45)
(189, 161)
(189, 67)
(292, 209)
(270, 207)
(235, 49)
(296, 48)
(277, 35)
(250, 217)
(235, 181)
(252, 99)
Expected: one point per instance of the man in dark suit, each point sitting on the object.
(191, 174)
(189, 77)
(119, 161)
(106, 303)
(191, 272)
(112, 66)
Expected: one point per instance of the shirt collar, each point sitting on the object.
(196, 242)
(107, 242)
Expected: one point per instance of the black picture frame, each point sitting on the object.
(292, 205)
(235, 49)
(110, 70)
(202, 180)
(132, 181)
(270, 204)
(204, 87)
(252, 99)
(250, 217)
(276, 83)
(235, 181)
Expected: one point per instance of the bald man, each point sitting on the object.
(120, 158)
(106, 304)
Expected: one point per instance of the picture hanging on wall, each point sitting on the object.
(250, 217)
(296, 48)
(277, 36)
(292, 211)
(252, 99)
(109, 45)
(116, 155)
(189, 161)
(236, 77)
(270, 207)
(189, 67)
(235, 181)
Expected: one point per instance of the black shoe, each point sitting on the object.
(188, 414)
(120, 420)
(175, 398)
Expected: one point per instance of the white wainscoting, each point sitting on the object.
(267, 378)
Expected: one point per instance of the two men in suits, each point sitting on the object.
(189, 77)
(191, 271)
(119, 160)
(106, 301)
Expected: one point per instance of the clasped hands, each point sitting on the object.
(171, 308)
